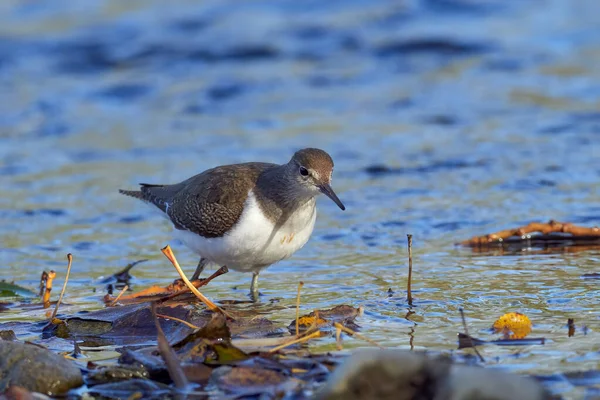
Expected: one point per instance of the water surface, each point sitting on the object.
(446, 119)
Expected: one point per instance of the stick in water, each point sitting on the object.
(212, 306)
(114, 302)
(62, 292)
(350, 332)
(408, 289)
(300, 284)
(464, 321)
(300, 340)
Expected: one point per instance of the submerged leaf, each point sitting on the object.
(124, 390)
(115, 373)
(250, 380)
(132, 323)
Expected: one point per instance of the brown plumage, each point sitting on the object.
(210, 203)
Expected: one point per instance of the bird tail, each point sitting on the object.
(136, 194)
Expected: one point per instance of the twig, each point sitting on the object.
(338, 338)
(197, 283)
(408, 287)
(410, 312)
(464, 322)
(62, 292)
(178, 320)
(114, 302)
(212, 306)
(300, 284)
(355, 334)
(168, 355)
(300, 340)
(50, 278)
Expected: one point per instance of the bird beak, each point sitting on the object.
(328, 191)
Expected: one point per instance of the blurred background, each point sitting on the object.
(445, 119)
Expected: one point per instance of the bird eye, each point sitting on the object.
(303, 171)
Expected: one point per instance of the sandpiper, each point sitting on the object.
(246, 216)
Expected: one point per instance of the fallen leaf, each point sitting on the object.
(513, 325)
(131, 324)
(210, 344)
(342, 314)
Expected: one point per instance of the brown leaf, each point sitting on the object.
(132, 323)
(210, 344)
(342, 314)
(251, 380)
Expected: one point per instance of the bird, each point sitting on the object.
(245, 216)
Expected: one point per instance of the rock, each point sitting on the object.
(403, 375)
(36, 369)
(466, 383)
(8, 335)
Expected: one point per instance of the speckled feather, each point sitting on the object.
(210, 203)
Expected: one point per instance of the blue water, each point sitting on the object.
(445, 119)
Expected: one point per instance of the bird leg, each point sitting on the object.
(201, 264)
(254, 286)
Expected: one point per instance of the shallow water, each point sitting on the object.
(486, 115)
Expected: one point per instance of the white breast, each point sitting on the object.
(255, 242)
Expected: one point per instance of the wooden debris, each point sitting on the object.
(576, 233)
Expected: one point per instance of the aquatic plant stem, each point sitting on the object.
(338, 338)
(300, 284)
(212, 306)
(64, 288)
(464, 322)
(296, 341)
(408, 287)
(349, 331)
(178, 320)
(114, 302)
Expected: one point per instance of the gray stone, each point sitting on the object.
(36, 369)
(404, 375)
